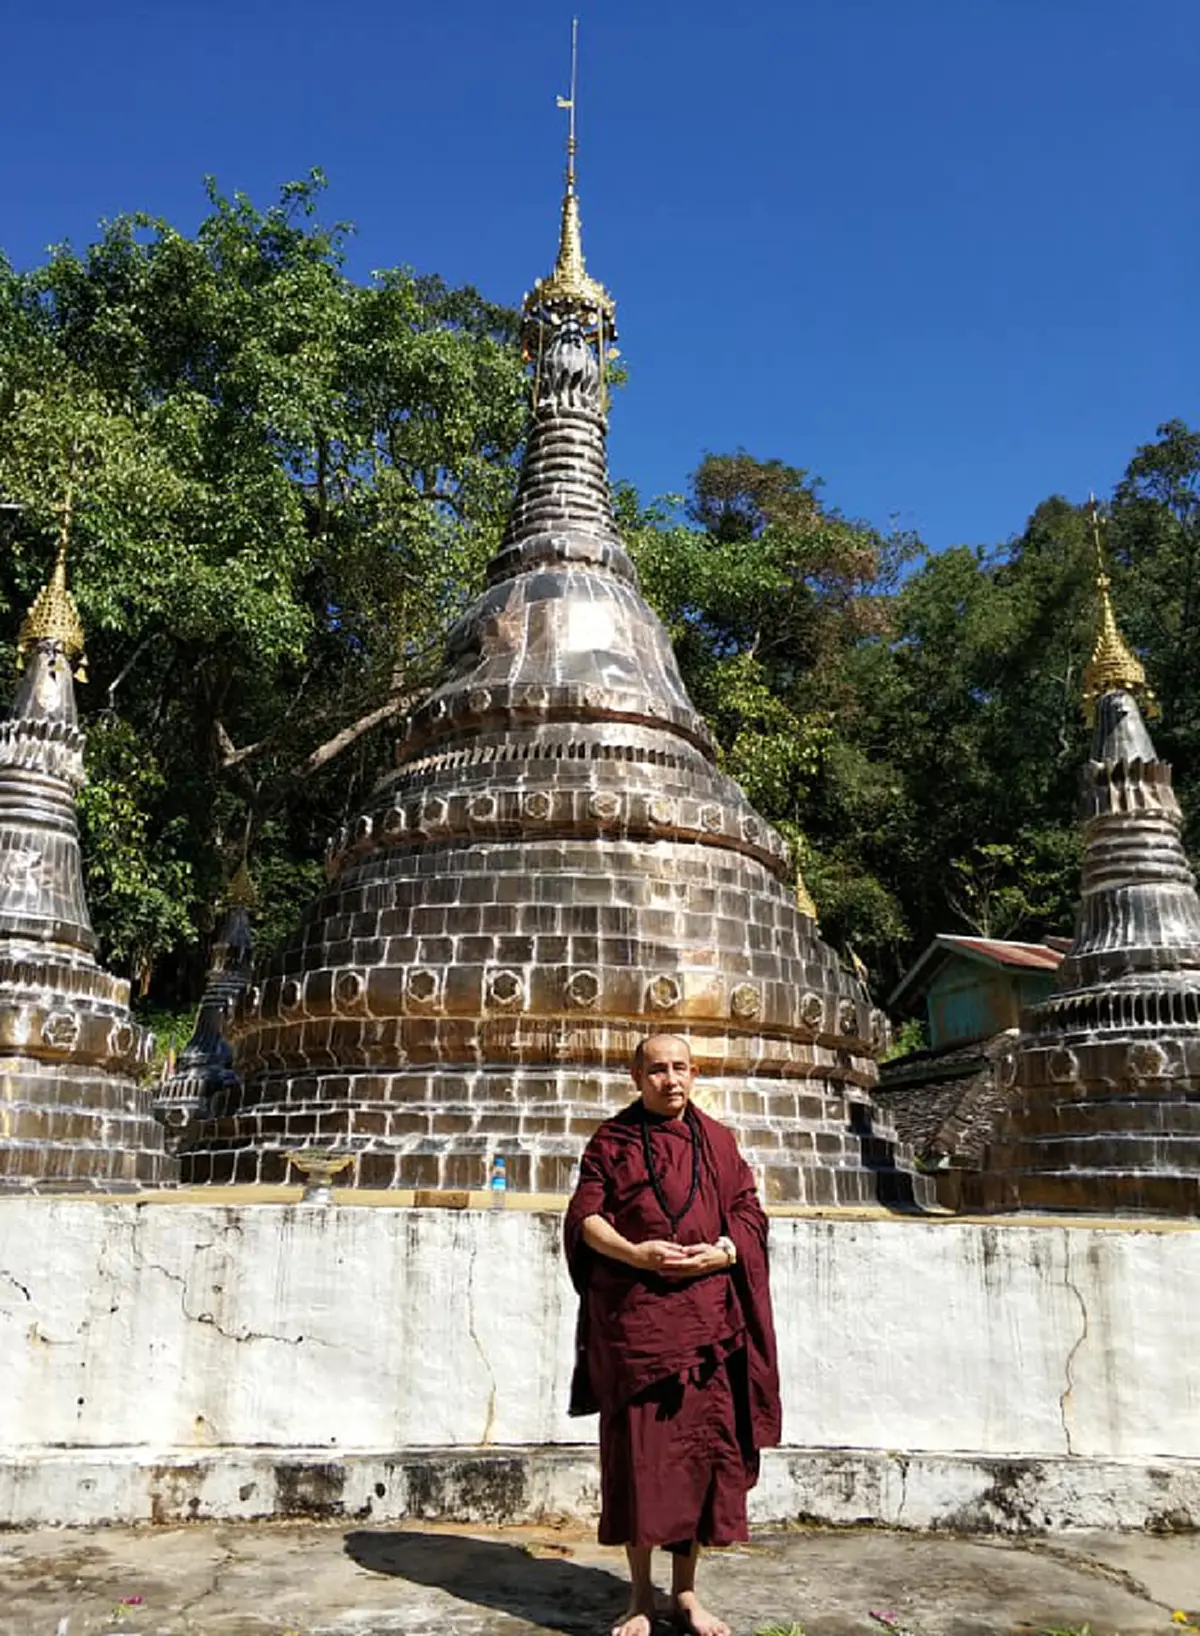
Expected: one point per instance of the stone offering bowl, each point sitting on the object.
(318, 1166)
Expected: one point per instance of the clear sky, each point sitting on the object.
(943, 253)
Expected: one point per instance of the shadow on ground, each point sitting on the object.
(560, 1596)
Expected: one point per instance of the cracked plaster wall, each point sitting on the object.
(195, 1328)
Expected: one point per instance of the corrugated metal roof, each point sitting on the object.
(1033, 956)
(993, 950)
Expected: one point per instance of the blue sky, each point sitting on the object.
(943, 253)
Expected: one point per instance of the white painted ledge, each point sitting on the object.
(226, 1341)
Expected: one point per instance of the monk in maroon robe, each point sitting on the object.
(667, 1246)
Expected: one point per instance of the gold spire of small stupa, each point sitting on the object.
(241, 892)
(804, 898)
(54, 616)
(1113, 666)
(569, 290)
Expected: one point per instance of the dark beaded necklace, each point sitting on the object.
(673, 1216)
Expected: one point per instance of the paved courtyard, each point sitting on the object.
(338, 1580)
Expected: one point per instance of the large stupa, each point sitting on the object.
(554, 867)
(1104, 1106)
(72, 1113)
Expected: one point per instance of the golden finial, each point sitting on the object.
(54, 616)
(1113, 666)
(569, 289)
(804, 898)
(241, 893)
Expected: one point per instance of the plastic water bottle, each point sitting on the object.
(498, 1182)
(573, 1178)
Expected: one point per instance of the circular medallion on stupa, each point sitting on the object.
(505, 988)
(583, 988)
(663, 993)
(1147, 1060)
(60, 1030)
(1062, 1065)
(812, 1010)
(350, 987)
(422, 986)
(745, 1001)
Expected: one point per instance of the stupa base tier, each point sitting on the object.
(807, 1141)
(1128, 1142)
(1091, 1191)
(62, 1127)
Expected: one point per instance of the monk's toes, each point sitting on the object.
(694, 1619)
(634, 1624)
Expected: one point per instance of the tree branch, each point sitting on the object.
(350, 734)
(128, 666)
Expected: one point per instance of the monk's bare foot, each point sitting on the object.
(691, 1615)
(638, 1618)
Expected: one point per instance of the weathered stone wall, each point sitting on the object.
(170, 1359)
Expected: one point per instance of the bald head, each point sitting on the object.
(664, 1074)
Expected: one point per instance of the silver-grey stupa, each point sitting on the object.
(72, 1113)
(555, 867)
(205, 1065)
(1104, 1111)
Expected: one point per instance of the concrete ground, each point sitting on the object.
(280, 1579)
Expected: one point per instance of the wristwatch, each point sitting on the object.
(730, 1249)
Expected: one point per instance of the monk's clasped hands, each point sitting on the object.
(680, 1260)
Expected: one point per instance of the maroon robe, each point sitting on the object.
(682, 1372)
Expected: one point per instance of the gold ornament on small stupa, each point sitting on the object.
(805, 903)
(1113, 667)
(242, 893)
(54, 616)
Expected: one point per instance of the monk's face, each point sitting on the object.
(666, 1076)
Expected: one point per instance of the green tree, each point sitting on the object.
(287, 483)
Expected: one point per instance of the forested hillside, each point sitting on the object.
(287, 484)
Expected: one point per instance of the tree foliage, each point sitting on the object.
(286, 484)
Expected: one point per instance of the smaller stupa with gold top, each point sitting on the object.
(72, 1113)
(1105, 1076)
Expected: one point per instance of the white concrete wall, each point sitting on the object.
(196, 1329)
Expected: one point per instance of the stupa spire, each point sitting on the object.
(569, 292)
(1113, 667)
(53, 616)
